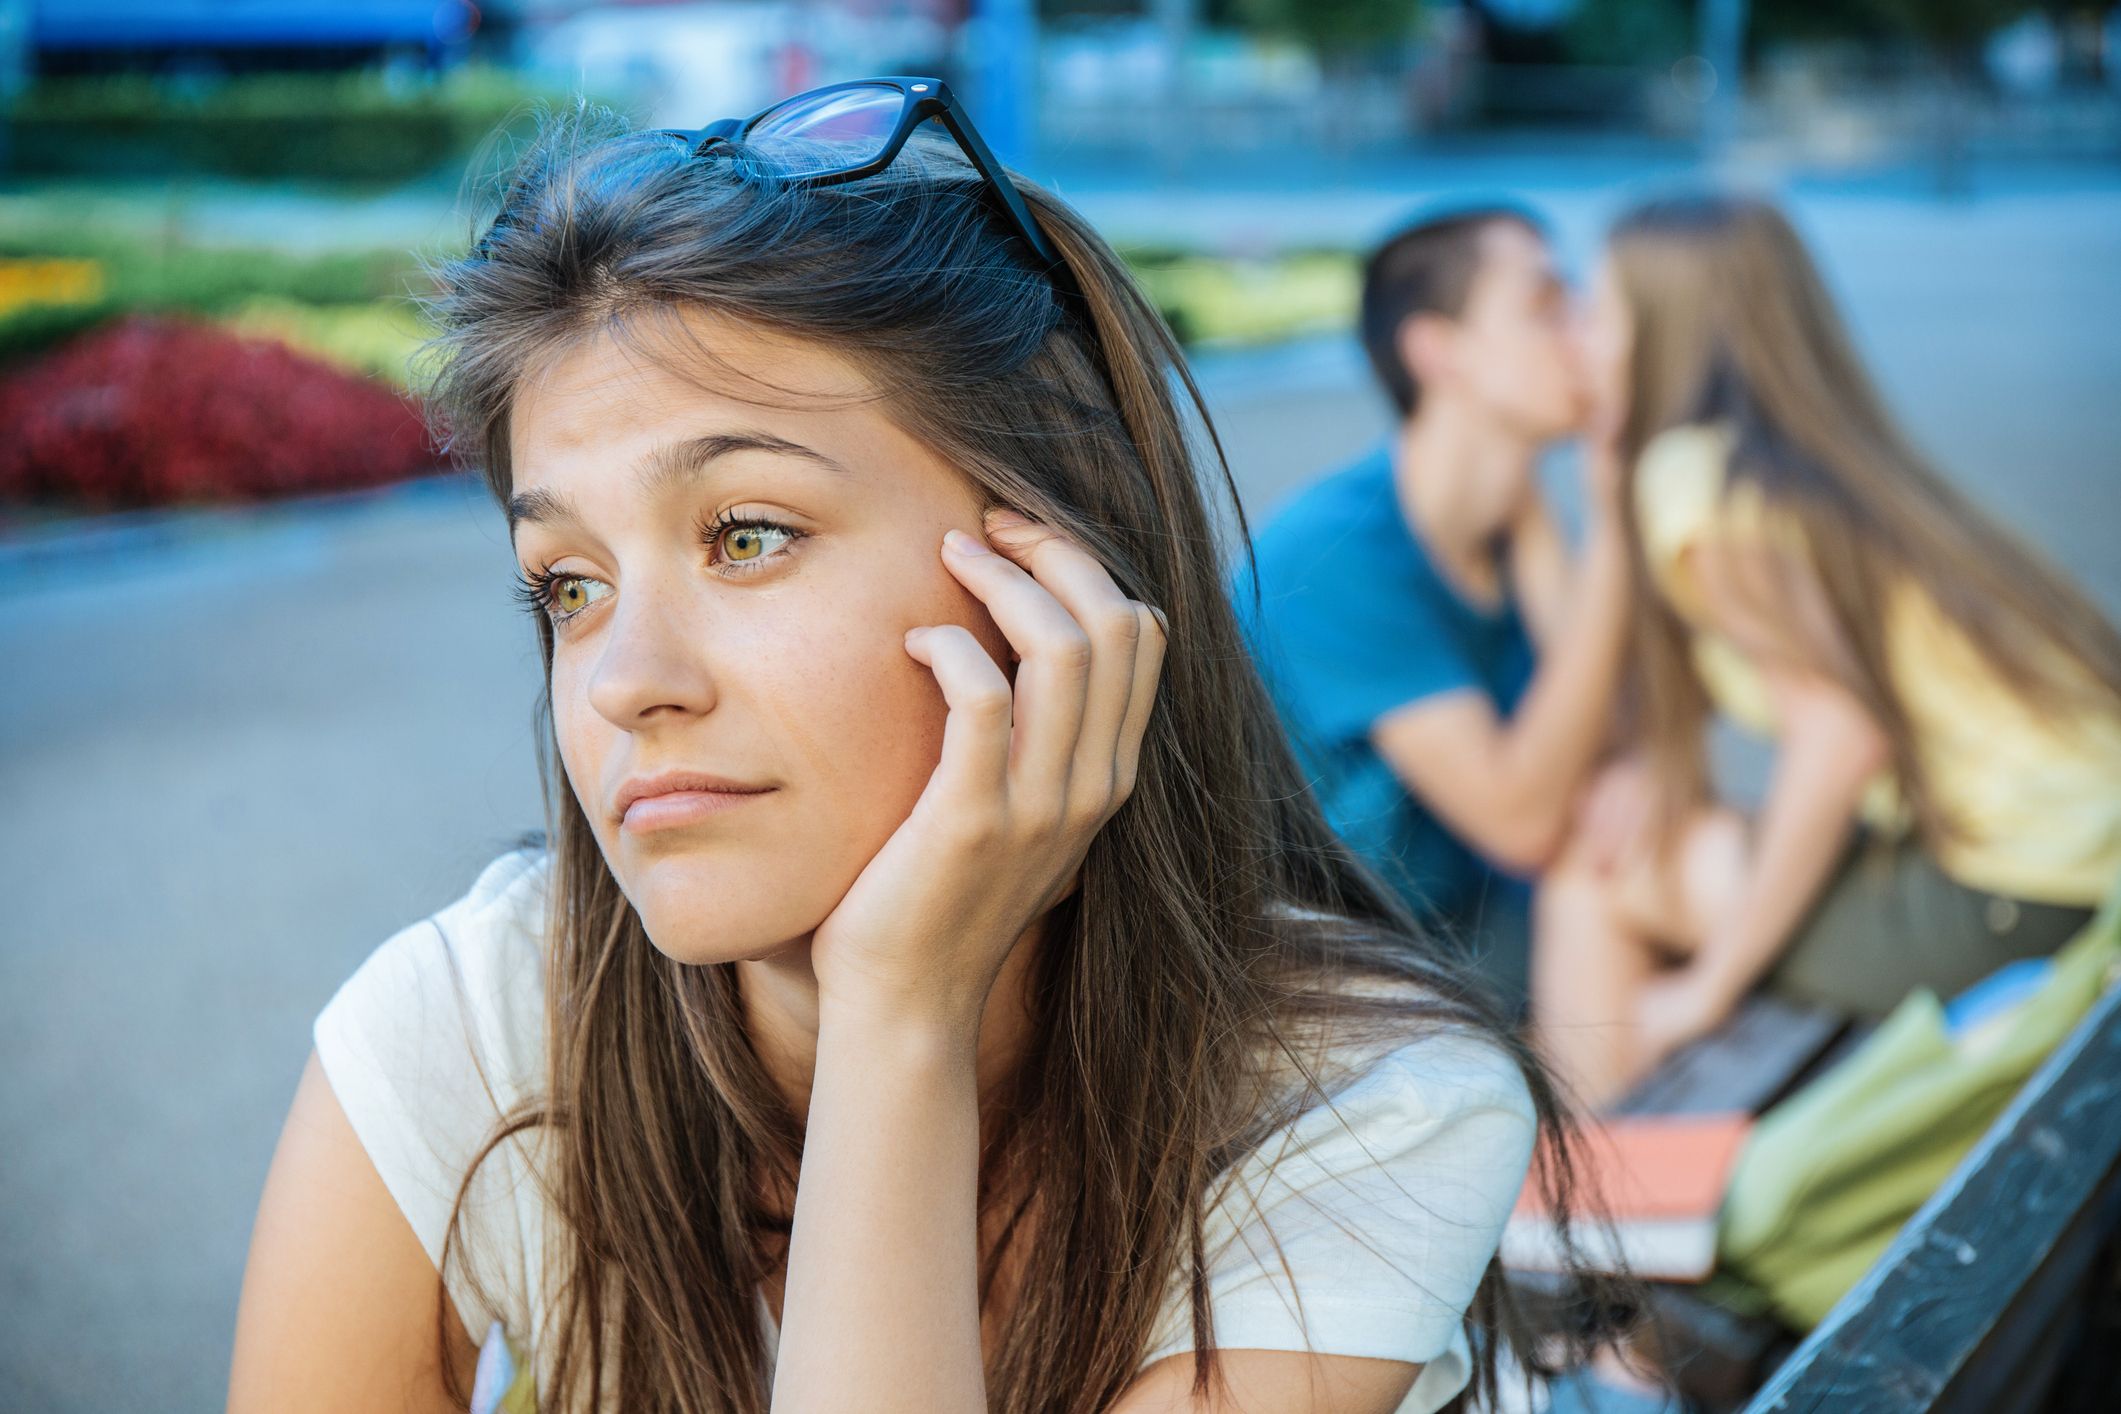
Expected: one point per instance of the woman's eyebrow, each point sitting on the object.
(664, 466)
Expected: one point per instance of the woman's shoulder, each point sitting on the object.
(1364, 1225)
(434, 1036)
(1405, 1079)
(1417, 1086)
(1688, 451)
(476, 962)
(1679, 477)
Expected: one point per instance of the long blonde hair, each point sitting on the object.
(1732, 323)
(1217, 917)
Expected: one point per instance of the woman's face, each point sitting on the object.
(1606, 335)
(731, 586)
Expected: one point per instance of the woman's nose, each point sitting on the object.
(652, 660)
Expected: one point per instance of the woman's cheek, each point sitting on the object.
(573, 728)
(852, 710)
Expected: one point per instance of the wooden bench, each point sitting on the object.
(2003, 1293)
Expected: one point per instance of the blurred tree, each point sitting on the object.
(1340, 32)
(2098, 30)
(1649, 33)
(1821, 19)
(1952, 29)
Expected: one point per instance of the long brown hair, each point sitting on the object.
(1733, 324)
(1218, 918)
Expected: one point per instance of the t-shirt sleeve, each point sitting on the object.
(1365, 1227)
(425, 1045)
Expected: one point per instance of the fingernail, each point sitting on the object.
(915, 632)
(1161, 619)
(1002, 518)
(964, 544)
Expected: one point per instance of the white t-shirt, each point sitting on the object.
(1387, 1213)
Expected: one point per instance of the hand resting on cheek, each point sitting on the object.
(1029, 772)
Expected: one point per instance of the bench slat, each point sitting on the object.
(1974, 1274)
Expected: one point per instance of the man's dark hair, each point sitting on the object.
(1424, 268)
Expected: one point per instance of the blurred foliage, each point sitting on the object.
(62, 274)
(1944, 26)
(364, 126)
(44, 281)
(1655, 32)
(148, 410)
(1951, 27)
(1211, 300)
(1629, 32)
(377, 339)
(1332, 28)
(1819, 19)
(146, 275)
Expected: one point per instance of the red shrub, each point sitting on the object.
(154, 411)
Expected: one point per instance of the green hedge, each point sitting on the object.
(145, 276)
(377, 339)
(362, 126)
(1211, 300)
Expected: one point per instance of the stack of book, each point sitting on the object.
(1648, 1191)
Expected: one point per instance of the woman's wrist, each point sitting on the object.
(937, 1033)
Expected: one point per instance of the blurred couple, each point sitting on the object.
(1508, 723)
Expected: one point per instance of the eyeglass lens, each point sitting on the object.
(829, 130)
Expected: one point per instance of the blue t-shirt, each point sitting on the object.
(1354, 621)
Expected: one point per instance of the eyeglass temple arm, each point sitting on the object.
(969, 137)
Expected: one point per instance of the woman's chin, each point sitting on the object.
(695, 946)
(711, 907)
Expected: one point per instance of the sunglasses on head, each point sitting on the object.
(848, 130)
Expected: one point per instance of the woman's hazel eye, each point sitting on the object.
(748, 542)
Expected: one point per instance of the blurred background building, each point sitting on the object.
(1831, 80)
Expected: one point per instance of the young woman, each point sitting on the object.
(1945, 707)
(939, 992)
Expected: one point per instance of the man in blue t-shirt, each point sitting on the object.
(1445, 671)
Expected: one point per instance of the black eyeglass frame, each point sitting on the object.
(924, 97)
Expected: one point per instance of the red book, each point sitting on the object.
(1660, 1179)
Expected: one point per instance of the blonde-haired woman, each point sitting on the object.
(1945, 707)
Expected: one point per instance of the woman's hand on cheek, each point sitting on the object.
(1026, 779)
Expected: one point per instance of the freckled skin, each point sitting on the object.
(793, 674)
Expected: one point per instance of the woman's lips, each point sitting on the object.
(684, 807)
